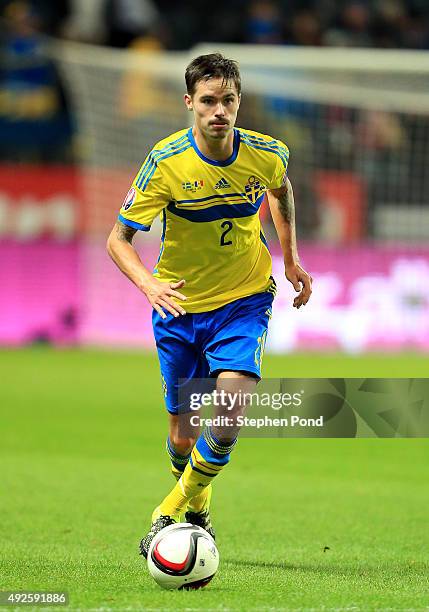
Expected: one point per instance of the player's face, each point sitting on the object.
(215, 105)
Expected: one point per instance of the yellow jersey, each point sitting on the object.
(211, 231)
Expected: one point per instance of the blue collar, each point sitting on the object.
(213, 162)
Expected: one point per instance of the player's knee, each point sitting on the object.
(182, 445)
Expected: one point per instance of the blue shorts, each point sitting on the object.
(202, 344)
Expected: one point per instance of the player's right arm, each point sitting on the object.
(159, 294)
(148, 196)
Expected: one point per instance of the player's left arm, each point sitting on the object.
(282, 207)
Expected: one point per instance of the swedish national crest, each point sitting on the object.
(254, 188)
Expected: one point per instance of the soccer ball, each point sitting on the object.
(182, 556)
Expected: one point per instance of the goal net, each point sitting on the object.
(357, 125)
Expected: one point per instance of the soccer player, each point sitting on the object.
(212, 289)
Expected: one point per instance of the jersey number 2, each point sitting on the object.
(227, 227)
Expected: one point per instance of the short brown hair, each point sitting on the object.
(210, 66)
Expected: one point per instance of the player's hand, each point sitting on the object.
(301, 282)
(160, 297)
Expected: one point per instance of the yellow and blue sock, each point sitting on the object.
(178, 462)
(207, 459)
(200, 502)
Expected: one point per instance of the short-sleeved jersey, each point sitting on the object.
(212, 236)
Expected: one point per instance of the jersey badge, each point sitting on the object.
(129, 199)
(254, 188)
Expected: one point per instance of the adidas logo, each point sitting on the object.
(222, 184)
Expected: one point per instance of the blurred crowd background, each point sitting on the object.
(68, 152)
(180, 25)
(37, 123)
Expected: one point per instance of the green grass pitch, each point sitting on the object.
(302, 524)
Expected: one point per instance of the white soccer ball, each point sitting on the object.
(182, 556)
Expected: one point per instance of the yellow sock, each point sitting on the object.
(176, 473)
(207, 459)
(178, 462)
(189, 484)
(200, 502)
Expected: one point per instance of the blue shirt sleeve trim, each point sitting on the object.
(133, 224)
